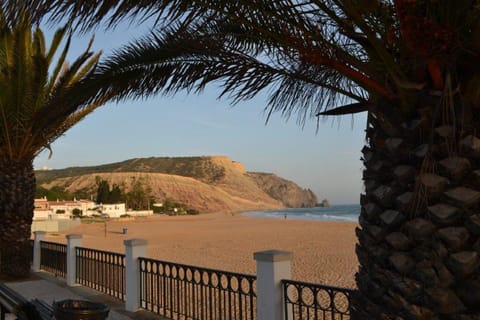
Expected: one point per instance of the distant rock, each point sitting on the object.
(324, 203)
(206, 184)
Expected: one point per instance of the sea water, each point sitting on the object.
(345, 212)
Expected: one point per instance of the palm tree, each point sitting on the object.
(37, 105)
(413, 65)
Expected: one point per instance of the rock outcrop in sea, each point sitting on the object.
(324, 203)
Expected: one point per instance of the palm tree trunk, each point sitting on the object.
(420, 220)
(17, 194)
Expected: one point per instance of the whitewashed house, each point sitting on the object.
(42, 214)
(113, 210)
(64, 209)
(41, 210)
(51, 210)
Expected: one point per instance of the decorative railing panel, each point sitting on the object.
(101, 270)
(53, 258)
(313, 301)
(186, 292)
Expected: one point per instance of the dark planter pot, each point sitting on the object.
(80, 310)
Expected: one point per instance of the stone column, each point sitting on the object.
(37, 252)
(134, 249)
(272, 267)
(73, 241)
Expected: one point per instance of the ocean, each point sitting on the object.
(346, 212)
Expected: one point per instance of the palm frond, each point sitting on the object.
(64, 99)
(190, 60)
(347, 109)
(261, 48)
(55, 43)
(37, 107)
(34, 11)
(312, 32)
(57, 71)
(370, 43)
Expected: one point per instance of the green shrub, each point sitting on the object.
(77, 212)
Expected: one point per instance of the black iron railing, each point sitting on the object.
(101, 270)
(313, 301)
(179, 291)
(53, 258)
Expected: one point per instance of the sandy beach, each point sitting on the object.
(323, 252)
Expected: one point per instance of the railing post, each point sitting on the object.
(73, 241)
(272, 267)
(37, 251)
(134, 249)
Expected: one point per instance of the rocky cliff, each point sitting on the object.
(208, 184)
(288, 192)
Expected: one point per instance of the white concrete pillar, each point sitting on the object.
(134, 249)
(73, 241)
(37, 252)
(273, 266)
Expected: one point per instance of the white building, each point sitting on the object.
(50, 210)
(113, 210)
(42, 214)
(65, 209)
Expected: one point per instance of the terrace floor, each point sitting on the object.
(46, 287)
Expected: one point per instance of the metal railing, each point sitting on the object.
(53, 258)
(186, 292)
(313, 301)
(103, 271)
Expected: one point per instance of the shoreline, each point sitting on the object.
(323, 251)
(308, 214)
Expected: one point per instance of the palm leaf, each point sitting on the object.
(190, 58)
(36, 106)
(286, 32)
(346, 109)
(364, 41)
(55, 43)
(61, 60)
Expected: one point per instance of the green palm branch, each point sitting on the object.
(37, 108)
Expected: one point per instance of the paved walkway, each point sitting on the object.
(46, 287)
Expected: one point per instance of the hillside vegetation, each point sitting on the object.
(205, 169)
(207, 184)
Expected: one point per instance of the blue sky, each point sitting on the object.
(327, 161)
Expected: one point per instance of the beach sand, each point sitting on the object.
(323, 252)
